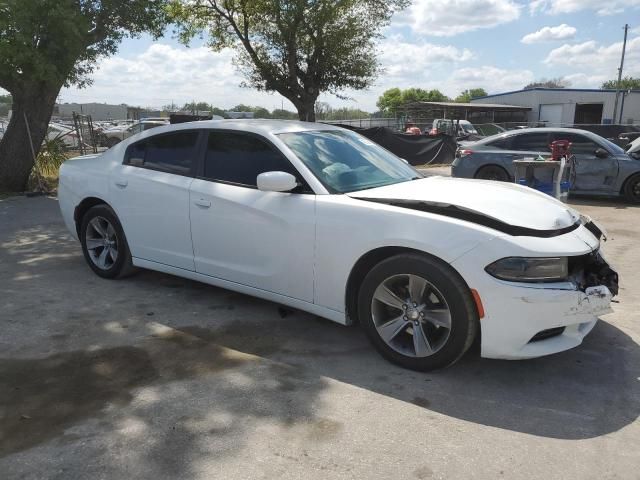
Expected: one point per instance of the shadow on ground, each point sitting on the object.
(50, 300)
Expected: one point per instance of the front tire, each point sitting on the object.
(104, 244)
(417, 312)
(632, 189)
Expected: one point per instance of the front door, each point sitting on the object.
(264, 240)
(592, 173)
(150, 194)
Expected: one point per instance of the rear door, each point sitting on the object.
(592, 173)
(150, 193)
(504, 150)
(265, 240)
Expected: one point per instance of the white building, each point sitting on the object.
(569, 106)
(98, 111)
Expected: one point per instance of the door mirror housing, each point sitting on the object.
(601, 153)
(276, 182)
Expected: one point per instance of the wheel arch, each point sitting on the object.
(626, 181)
(83, 207)
(364, 265)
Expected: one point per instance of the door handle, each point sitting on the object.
(203, 203)
(121, 183)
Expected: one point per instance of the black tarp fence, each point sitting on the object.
(415, 149)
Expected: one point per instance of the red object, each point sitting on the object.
(413, 131)
(463, 152)
(559, 149)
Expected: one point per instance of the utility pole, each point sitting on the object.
(624, 47)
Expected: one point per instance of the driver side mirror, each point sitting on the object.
(601, 153)
(276, 182)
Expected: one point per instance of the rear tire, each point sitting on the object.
(493, 172)
(417, 312)
(104, 244)
(632, 189)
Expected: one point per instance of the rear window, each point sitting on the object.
(171, 153)
(502, 143)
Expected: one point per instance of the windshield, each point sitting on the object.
(468, 128)
(346, 162)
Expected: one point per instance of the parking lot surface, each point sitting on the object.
(159, 377)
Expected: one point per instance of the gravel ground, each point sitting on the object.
(162, 378)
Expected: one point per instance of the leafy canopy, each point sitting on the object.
(627, 83)
(298, 48)
(548, 83)
(467, 95)
(391, 100)
(56, 42)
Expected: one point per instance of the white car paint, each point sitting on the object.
(299, 250)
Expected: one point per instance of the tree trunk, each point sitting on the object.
(306, 109)
(16, 157)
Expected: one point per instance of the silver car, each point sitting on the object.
(601, 167)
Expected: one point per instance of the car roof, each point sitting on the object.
(263, 127)
(522, 131)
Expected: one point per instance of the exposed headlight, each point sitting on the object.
(523, 269)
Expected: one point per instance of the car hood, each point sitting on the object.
(507, 207)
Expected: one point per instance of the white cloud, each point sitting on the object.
(597, 57)
(492, 79)
(163, 74)
(401, 58)
(547, 34)
(604, 8)
(449, 18)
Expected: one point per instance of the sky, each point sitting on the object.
(451, 45)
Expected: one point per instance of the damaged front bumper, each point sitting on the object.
(533, 320)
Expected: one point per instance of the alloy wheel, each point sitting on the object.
(411, 315)
(102, 243)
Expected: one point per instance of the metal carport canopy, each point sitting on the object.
(458, 111)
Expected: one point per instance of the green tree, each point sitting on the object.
(196, 107)
(467, 95)
(46, 44)
(411, 95)
(298, 48)
(6, 99)
(390, 101)
(627, 83)
(548, 83)
(284, 114)
(393, 99)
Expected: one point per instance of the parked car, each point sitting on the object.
(488, 129)
(322, 219)
(633, 150)
(62, 133)
(443, 125)
(113, 136)
(626, 138)
(601, 167)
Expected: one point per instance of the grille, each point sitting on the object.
(548, 333)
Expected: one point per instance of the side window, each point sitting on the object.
(171, 153)
(239, 158)
(531, 142)
(580, 145)
(503, 143)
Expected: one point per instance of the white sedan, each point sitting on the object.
(321, 219)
